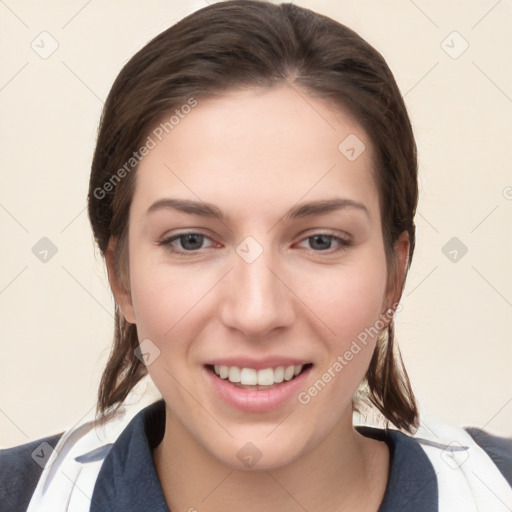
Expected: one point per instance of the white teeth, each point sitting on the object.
(288, 372)
(266, 377)
(234, 374)
(248, 377)
(252, 377)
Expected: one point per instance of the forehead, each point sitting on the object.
(258, 147)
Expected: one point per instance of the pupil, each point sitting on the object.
(186, 239)
(322, 238)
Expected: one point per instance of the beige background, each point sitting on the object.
(56, 316)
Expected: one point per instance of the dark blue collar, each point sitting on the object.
(128, 480)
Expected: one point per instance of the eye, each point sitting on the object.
(322, 242)
(188, 242)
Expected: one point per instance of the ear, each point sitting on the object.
(122, 295)
(399, 269)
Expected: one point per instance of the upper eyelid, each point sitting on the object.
(328, 232)
(173, 237)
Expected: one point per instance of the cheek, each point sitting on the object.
(350, 304)
(167, 303)
(164, 299)
(350, 298)
(161, 295)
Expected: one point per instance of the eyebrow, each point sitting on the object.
(298, 211)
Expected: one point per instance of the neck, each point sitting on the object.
(347, 471)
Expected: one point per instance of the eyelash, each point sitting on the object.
(167, 242)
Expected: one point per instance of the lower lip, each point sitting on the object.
(250, 400)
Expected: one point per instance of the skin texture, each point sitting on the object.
(256, 153)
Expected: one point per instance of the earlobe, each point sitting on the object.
(122, 295)
(402, 247)
(401, 261)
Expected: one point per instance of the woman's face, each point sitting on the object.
(255, 243)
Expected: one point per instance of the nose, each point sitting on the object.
(257, 298)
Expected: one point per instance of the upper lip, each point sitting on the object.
(258, 364)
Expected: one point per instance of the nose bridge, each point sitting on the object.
(257, 301)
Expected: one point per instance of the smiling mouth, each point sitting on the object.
(250, 378)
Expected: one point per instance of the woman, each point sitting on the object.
(253, 191)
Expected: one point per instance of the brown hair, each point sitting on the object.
(244, 43)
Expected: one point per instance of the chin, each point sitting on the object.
(259, 454)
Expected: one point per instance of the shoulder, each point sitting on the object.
(412, 483)
(20, 469)
(498, 448)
